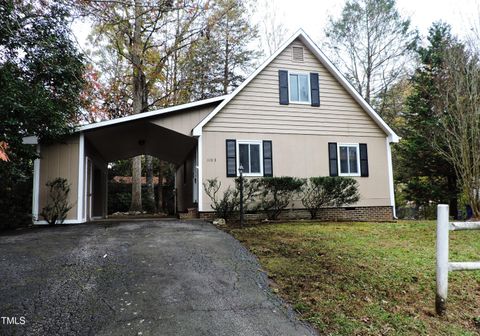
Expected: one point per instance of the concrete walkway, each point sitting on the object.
(136, 278)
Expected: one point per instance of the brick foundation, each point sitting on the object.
(358, 214)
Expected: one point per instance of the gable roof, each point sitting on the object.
(300, 34)
(160, 112)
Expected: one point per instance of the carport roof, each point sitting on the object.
(176, 108)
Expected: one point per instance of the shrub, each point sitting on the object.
(57, 206)
(277, 192)
(223, 205)
(250, 193)
(329, 191)
(229, 202)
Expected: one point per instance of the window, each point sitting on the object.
(250, 157)
(348, 160)
(299, 88)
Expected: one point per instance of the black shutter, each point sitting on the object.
(231, 158)
(267, 158)
(363, 160)
(332, 159)
(314, 89)
(283, 86)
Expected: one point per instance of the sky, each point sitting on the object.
(313, 15)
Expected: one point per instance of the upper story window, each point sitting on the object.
(250, 157)
(299, 88)
(349, 161)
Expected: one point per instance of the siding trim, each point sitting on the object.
(200, 172)
(392, 136)
(81, 177)
(36, 186)
(390, 178)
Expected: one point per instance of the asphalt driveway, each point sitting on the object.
(136, 278)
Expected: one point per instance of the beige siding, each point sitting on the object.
(183, 122)
(256, 108)
(60, 160)
(301, 156)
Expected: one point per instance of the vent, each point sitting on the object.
(297, 54)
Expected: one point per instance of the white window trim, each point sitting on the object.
(309, 91)
(250, 142)
(357, 146)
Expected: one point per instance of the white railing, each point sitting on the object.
(443, 265)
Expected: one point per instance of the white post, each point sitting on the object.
(442, 258)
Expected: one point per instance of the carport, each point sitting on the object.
(82, 158)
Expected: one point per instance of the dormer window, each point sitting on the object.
(299, 88)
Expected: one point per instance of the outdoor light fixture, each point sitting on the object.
(240, 170)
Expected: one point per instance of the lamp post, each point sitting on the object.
(240, 170)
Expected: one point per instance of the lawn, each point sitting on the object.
(368, 278)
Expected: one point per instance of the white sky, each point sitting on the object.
(312, 15)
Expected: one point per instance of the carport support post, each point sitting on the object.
(442, 258)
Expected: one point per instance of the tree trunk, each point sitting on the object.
(139, 86)
(150, 187)
(136, 204)
(226, 64)
(160, 187)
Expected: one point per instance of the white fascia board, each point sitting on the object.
(150, 113)
(392, 136)
(197, 131)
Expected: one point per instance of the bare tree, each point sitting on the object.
(457, 108)
(370, 43)
(272, 29)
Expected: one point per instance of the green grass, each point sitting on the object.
(368, 278)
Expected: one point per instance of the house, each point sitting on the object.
(296, 115)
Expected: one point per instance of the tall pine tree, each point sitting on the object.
(426, 175)
(222, 56)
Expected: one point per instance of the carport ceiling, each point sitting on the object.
(134, 138)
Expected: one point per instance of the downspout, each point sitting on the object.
(390, 177)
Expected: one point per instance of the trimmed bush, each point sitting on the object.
(329, 191)
(277, 193)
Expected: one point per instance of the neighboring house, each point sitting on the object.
(296, 115)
